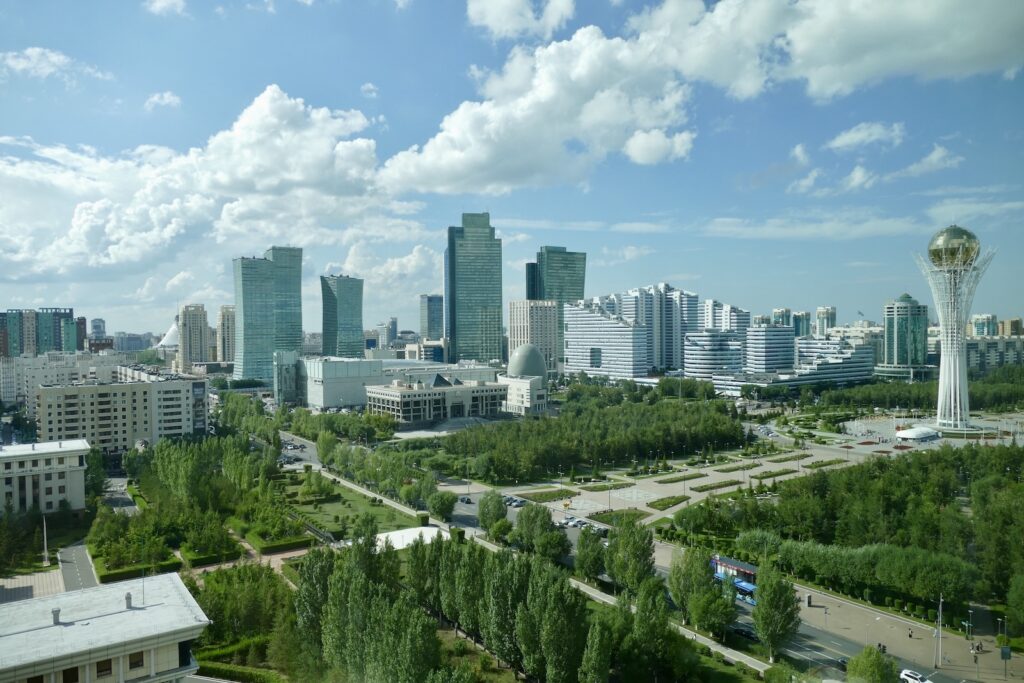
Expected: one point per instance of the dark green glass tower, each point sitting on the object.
(472, 290)
(558, 275)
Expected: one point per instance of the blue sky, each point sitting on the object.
(772, 153)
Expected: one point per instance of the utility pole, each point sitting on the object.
(938, 629)
(46, 552)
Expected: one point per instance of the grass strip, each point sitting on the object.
(667, 502)
(547, 496)
(772, 474)
(608, 487)
(715, 485)
(823, 463)
(685, 477)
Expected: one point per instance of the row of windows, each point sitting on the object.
(104, 667)
(47, 462)
(49, 477)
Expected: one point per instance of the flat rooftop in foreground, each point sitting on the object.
(45, 448)
(95, 618)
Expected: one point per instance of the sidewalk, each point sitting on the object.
(871, 626)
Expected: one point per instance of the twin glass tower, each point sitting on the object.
(268, 310)
(953, 268)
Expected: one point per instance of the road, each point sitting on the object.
(75, 567)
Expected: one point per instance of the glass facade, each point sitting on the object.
(287, 268)
(268, 310)
(342, 316)
(472, 284)
(906, 332)
(559, 275)
(37, 332)
(431, 316)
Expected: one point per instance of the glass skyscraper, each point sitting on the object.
(431, 316)
(268, 310)
(558, 275)
(472, 290)
(342, 315)
(906, 332)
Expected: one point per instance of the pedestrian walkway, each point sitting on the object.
(905, 638)
(76, 567)
(35, 585)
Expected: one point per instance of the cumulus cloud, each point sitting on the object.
(181, 278)
(799, 155)
(165, 7)
(834, 226)
(648, 147)
(859, 178)
(938, 159)
(162, 99)
(614, 257)
(42, 63)
(515, 18)
(368, 90)
(409, 272)
(867, 133)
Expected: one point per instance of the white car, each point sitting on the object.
(910, 676)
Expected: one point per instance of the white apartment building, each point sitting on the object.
(819, 361)
(535, 322)
(712, 351)
(985, 353)
(983, 325)
(668, 313)
(114, 415)
(226, 334)
(769, 348)
(43, 474)
(824, 319)
(137, 630)
(19, 376)
(193, 337)
(599, 342)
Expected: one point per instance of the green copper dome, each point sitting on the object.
(953, 246)
(527, 361)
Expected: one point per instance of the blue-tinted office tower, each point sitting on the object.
(268, 310)
(558, 275)
(342, 316)
(472, 290)
(431, 316)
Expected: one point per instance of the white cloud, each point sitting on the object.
(867, 133)
(859, 178)
(615, 257)
(805, 184)
(938, 159)
(548, 117)
(162, 99)
(512, 237)
(515, 18)
(42, 63)
(967, 211)
(369, 91)
(181, 278)
(799, 155)
(649, 147)
(640, 227)
(402, 4)
(165, 7)
(834, 226)
(408, 272)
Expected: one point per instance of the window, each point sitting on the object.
(48, 476)
(35, 679)
(61, 490)
(70, 675)
(104, 667)
(35, 463)
(7, 465)
(49, 490)
(61, 475)
(136, 660)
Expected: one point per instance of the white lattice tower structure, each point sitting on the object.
(953, 267)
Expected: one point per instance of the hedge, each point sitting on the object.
(264, 547)
(227, 651)
(197, 560)
(105, 575)
(235, 672)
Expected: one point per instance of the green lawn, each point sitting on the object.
(615, 517)
(823, 463)
(347, 507)
(790, 458)
(667, 502)
(772, 474)
(548, 496)
(716, 485)
(685, 477)
(608, 487)
(739, 468)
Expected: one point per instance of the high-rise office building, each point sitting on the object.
(906, 332)
(30, 332)
(825, 319)
(802, 324)
(49, 328)
(68, 335)
(560, 276)
(782, 316)
(984, 325)
(268, 310)
(98, 328)
(193, 337)
(535, 322)
(431, 316)
(342, 316)
(81, 331)
(226, 334)
(1013, 327)
(769, 348)
(472, 290)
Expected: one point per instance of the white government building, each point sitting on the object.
(137, 630)
(43, 474)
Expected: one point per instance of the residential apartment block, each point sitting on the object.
(43, 474)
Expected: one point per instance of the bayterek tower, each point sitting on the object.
(954, 267)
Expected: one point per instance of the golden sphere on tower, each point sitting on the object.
(953, 246)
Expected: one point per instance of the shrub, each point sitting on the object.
(898, 604)
(932, 615)
(888, 601)
(235, 672)
(866, 594)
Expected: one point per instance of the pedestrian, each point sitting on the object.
(910, 633)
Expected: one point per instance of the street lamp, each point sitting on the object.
(970, 624)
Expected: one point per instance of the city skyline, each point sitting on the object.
(729, 173)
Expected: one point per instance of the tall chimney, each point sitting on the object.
(127, 600)
(56, 616)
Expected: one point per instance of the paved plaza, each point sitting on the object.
(26, 586)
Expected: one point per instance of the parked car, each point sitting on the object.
(518, 503)
(841, 663)
(466, 499)
(745, 632)
(911, 676)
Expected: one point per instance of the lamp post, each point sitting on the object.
(970, 624)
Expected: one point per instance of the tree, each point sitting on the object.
(777, 612)
(442, 504)
(589, 554)
(688, 574)
(311, 594)
(500, 530)
(1015, 605)
(597, 656)
(630, 557)
(536, 533)
(871, 666)
(491, 509)
(95, 473)
(713, 608)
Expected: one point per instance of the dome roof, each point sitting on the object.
(953, 246)
(527, 361)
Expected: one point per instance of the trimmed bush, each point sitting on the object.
(266, 547)
(898, 604)
(108, 576)
(235, 672)
(197, 560)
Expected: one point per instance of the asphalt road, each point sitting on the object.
(75, 568)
